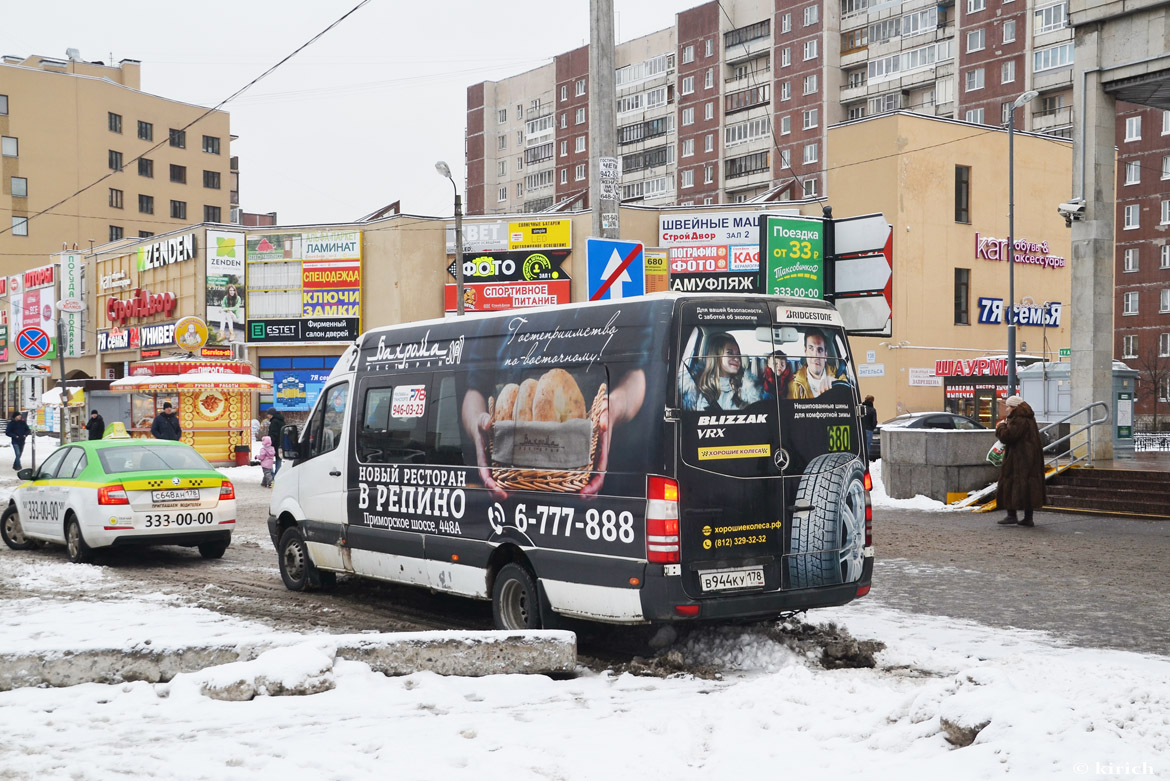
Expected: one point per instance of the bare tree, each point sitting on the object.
(1153, 370)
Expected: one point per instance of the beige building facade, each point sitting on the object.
(88, 158)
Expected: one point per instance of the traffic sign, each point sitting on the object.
(617, 269)
(863, 262)
(33, 342)
(33, 368)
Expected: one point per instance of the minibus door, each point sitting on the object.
(731, 497)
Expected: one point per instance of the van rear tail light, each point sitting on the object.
(662, 539)
(227, 490)
(863, 590)
(687, 611)
(868, 511)
(113, 494)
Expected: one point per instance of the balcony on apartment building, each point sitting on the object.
(1052, 121)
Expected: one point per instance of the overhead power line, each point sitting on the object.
(197, 119)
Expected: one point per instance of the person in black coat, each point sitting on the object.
(868, 423)
(96, 426)
(275, 424)
(166, 424)
(17, 430)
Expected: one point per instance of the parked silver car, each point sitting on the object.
(945, 420)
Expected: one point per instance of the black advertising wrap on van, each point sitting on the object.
(536, 428)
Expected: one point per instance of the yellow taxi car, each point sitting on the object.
(118, 492)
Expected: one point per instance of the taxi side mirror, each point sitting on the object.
(289, 443)
(24, 474)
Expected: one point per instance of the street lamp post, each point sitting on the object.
(1027, 97)
(445, 170)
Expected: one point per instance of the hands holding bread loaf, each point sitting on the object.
(555, 398)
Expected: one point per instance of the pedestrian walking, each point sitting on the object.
(1021, 477)
(96, 425)
(267, 456)
(17, 431)
(868, 423)
(275, 424)
(166, 424)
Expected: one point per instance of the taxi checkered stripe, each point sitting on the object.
(168, 483)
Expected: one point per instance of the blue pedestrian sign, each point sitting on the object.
(617, 269)
(32, 342)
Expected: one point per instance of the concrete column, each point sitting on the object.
(602, 115)
(1094, 179)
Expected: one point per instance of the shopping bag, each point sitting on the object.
(995, 455)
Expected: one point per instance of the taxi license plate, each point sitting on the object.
(725, 579)
(185, 495)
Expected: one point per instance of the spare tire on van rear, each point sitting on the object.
(828, 523)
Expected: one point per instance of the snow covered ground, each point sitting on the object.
(1052, 711)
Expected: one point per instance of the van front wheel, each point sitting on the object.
(295, 566)
(515, 600)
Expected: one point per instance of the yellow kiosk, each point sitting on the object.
(213, 398)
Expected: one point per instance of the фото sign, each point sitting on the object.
(793, 257)
(715, 269)
(310, 284)
(512, 266)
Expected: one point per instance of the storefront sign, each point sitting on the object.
(118, 339)
(726, 282)
(794, 257)
(1046, 315)
(504, 236)
(167, 252)
(297, 390)
(924, 378)
(31, 301)
(498, 297)
(512, 266)
(709, 228)
(292, 330)
(225, 286)
(115, 281)
(150, 353)
(190, 333)
(157, 335)
(1029, 252)
(311, 283)
(72, 319)
(215, 352)
(970, 367)
(142, 303)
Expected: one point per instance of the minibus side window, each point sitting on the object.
(389, 438)
(444, 430)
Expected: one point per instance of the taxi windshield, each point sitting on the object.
(150, 458)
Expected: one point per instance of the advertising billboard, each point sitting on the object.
(72, 323)
(296, 390)
(511, 236)
(793, 262)
(304, 287)
(226, 293)
(499, 296)
(32, 298)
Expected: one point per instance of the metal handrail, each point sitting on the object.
(1057, 459)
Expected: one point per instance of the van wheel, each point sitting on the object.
(79, 552)
(828, 538)
(296, 569)
(13, 532)
(515, 600)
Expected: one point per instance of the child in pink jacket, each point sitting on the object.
(267, 457)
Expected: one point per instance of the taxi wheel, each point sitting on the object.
(13, 533)
(79, 552)
(212, 550)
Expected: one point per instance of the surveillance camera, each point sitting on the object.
(1072, 210)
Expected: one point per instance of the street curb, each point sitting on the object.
(471, 654)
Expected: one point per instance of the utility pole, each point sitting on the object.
(62, 422)
(604, 165)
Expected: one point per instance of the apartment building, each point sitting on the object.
(731, 103)
(1142, 272)
(103, 160)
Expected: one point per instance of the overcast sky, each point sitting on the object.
(358, 119)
